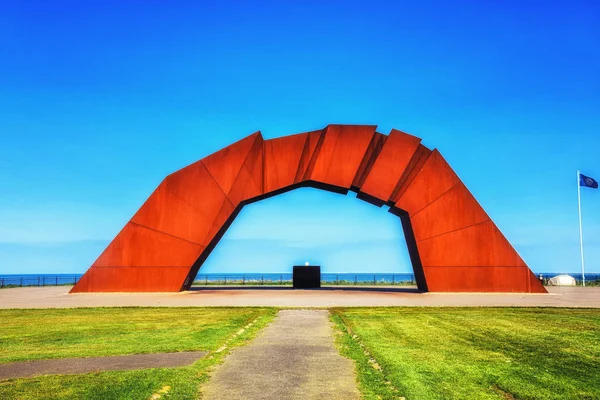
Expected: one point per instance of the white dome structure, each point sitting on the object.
(562, 280)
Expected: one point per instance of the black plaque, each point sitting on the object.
(307, 277)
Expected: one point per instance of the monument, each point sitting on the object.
(306, 277)
(453, 244)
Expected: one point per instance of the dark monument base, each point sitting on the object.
(307, 277)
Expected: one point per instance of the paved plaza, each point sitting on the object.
(58, 297)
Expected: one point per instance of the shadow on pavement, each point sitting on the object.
(403, 289)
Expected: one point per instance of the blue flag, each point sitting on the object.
(587, 181)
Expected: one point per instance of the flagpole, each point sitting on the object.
(580, 230)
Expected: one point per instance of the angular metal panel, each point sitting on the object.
(434, 179)
(138, 246)
(481, 245)
(340, 155)
(282, 157)
(308, 153)
(248, 183)
(221, 219)
(196, 187)
(225, 164)
(477, 279)
(255, 163)
(132, 279)
(366, 165)
(455, 209)
(167, 213)
(391, 163)
(245, 187)
(414, 166)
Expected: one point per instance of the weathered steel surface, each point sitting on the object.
(454, 245)
(282, 159)
(390, 164)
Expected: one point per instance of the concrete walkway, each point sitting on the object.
(28, 369)
(293, 358)
(58, 297)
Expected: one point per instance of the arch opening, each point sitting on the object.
(344, 236)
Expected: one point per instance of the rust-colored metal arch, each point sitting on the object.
(453, 244)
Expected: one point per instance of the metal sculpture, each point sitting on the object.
(453, 244)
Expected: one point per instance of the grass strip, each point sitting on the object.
(480, 353)
(157, 383)
(87, 332)
(372, 381)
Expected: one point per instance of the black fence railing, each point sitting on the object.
(591, 279)
(41, 280)
(404, 279)
(286, 279)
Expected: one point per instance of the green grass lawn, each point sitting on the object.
(473, 353)
(416, 353)
(58, 333)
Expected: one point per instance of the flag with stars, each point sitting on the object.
(586, 181)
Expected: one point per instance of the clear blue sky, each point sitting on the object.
(99, 100)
